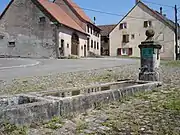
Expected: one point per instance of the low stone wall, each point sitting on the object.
(44, 107)
(81, 103)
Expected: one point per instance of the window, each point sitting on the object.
(124, 51)
(94, 44)
(88, 44)
(123, 26)
(132, 36)
(91, 43)
(91, 30)
(147, 24)
(88, 28)
(11, 44)
(98, 45)
(106, 40)
(125, 38)
(62, 43)
(42, 19)
(67, 45)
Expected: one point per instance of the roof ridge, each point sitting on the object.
(106, 25)
(60, 20)
(83, 15)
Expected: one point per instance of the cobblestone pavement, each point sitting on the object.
(153, 113)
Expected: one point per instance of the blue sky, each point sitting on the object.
(114, 6)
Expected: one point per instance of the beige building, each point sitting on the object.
(130, 32)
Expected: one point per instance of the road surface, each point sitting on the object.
(20, 68)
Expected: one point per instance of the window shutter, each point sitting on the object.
(130, 51)
(119, 51)
(121, 26)
(150, 23)
(127, 38)
(125, 25)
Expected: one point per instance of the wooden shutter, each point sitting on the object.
(127, 38)
(130, 51)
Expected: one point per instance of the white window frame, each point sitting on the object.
(124, 51)
(124, 25)
(149, 24)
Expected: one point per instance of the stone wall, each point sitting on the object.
(21, 24)
(46, 107)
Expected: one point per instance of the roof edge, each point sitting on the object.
(125, 16)
(80, 15)
(56, 19)
(160, 18)
(7, 7)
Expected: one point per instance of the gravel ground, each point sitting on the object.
(68, 80)
(153, 113)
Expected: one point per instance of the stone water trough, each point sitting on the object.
(24, 109)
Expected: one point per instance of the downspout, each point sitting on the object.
(56, 39)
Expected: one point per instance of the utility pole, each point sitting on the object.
(176, 32)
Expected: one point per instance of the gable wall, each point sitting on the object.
(136, 26)
(20, 23)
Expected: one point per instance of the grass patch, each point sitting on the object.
(173, 104)
(11, 129)
(171, 63)
(81, 125)
(55, 123)
(128, 57)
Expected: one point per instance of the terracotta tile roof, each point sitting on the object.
(79, 11)
(60, 15)
(106, 29)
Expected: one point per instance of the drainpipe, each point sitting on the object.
(56, 39)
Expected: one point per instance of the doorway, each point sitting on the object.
(74, 44)
(61, 49)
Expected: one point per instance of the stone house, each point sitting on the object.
(130, 32)
(47, 29)
(105, 30)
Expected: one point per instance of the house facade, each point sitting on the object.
(130, 32)
(47, 29)
(105, 30)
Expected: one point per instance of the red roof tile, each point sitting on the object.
(106, 29)
(79, 11)
(60, 15)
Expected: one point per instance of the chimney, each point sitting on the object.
(94, 20)
(161, 10)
